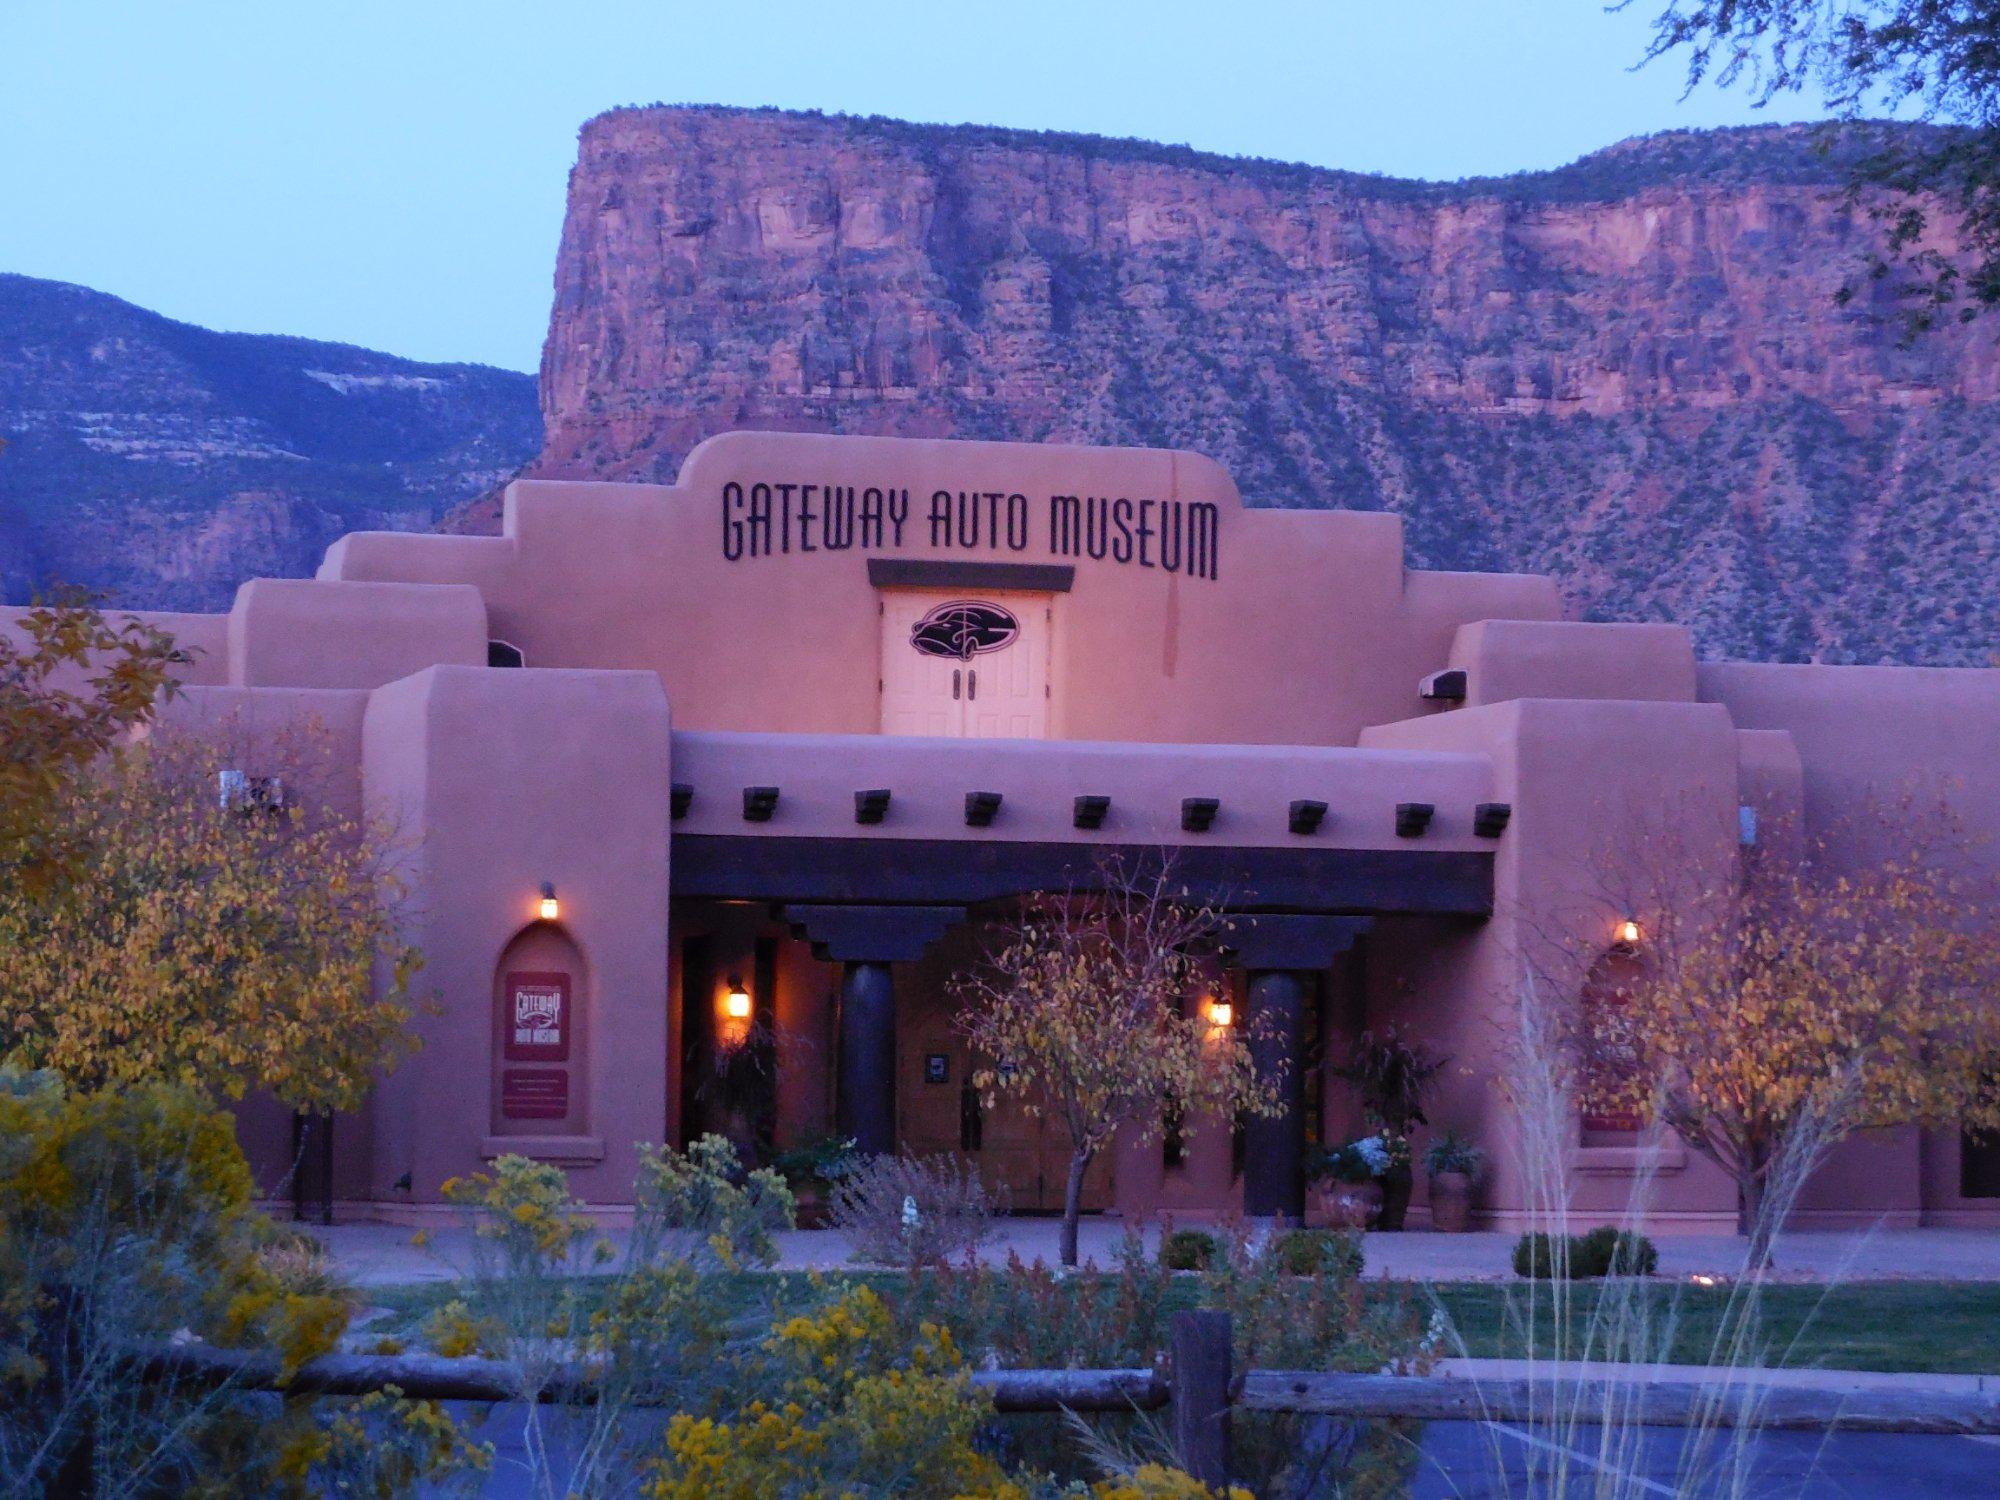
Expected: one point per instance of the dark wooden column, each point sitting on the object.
(867, 940)
(864, 1100)
(1274, 1184)
(1285, 953)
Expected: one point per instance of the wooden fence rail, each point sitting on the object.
(1201, 1390)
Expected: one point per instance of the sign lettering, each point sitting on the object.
(773, 518)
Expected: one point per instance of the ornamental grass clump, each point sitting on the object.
(913, 1210)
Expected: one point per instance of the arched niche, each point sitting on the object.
(542, 1014)
(1612, 981)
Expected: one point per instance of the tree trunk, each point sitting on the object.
(1079, 1163)
(1752, 1219)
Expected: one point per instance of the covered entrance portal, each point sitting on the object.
(854, 942)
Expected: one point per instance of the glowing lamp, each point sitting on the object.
(1221, 1013)
(736, 1004)
(549, 907)
(1628, 933)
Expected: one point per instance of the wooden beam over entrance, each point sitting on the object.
(958, 872)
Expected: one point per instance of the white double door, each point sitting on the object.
(965, 665)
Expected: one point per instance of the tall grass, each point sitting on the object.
(1582, 1434)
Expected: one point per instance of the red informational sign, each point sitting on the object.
(534, 1093)
(537, 1018)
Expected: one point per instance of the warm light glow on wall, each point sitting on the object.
(549, 907)
(736, 1004)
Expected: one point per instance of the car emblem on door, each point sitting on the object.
(963, 629)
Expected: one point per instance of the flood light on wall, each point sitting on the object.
(736, 1004)
(549, 908)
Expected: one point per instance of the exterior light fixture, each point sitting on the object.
(1197, 813)
(1490, 819)
(759, 802)
(872, 805)
(549, 908)
(736, 1004)
(681, 795)
(980, 808)
(1412, 818)
(1089, 810)
(1305, 815)
(1221, 1014)
(1629, 933)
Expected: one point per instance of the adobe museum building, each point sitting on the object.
(773, 743)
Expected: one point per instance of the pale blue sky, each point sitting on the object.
(392, 174)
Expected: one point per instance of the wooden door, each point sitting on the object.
(959, 666)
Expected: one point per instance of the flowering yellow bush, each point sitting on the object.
(126, 1219)
(852, 1411)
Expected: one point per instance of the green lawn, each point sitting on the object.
(1946, 1327)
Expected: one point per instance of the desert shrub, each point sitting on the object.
(1037, 1316)
(1189, 1249)
(1609, 1251)
(125, 1219)
(1310, 1252)
(1604, 1251)
(1541, 1256)
(912, 1210)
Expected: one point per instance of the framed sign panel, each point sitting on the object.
(534, 1093)
(538, 1017)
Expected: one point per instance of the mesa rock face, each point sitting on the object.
(1631, 372)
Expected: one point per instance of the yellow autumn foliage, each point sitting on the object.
(1809, 993)
(227, 948)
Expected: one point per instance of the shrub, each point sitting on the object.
(1607, 1251)
(1316, 1252)
(1189, 1250)
(125, 1219)
(1604, 1251)
(912, 1210)
(1542, 1257)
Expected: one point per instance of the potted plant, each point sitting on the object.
(811, 1169)
(1392, 1075)
(1351, 1190)
(1453, 1164)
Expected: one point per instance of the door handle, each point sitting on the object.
(955, 674)
(972, 682)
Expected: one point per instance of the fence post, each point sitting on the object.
(1201, 1394)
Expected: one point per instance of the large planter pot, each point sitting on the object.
(1395, 1199)
(1351, 1205)
(1451, 1202)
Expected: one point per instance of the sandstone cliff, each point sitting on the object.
(1630, 372)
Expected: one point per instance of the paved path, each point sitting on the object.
(381, 1254)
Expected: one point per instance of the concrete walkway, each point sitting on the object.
(382, 1254)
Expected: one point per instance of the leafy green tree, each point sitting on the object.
(1938, 59)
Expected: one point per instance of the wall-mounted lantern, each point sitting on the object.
(1221, 1014)
(1629, 935)
(549, 908)
(736, 1003)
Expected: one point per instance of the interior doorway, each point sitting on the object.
(962, 666)
(1020, 1153)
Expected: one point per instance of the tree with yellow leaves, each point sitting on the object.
(1081, 1007)
(218, 933)
(1806, 993)
(72, 684)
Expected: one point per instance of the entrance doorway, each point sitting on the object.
(1021, 1154)
(966, 667)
